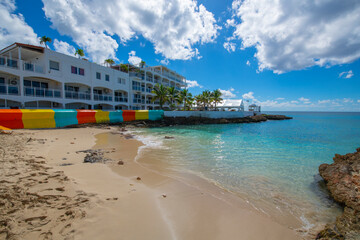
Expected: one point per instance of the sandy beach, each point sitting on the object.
(48, 192)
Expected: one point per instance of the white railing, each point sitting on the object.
(33, 67)
(10, 63)
(42, 92)
(103, 97)
(77, 95)
(121, 99)
(6, 89)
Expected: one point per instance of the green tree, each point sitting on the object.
(124, 68)
(206, 98)
(109, 62)
(44, 40)
(142, 64)
(184, 97)
(173, 96)
(216, 97)
(161, 94)
(79, 52)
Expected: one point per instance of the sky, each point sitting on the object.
(282, 54)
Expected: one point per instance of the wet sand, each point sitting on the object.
(139, 199)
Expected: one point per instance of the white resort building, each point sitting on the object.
(37, 77)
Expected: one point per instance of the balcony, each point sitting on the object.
(33, 68)
(42, 92)
(137, 75)
(103, 97)
(149, 79)
(148, 102)
(138, 100)
(148, 90)
(9, 89)
(5, 62)
(77, 95)
(121, 99)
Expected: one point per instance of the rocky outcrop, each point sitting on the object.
(343, 181)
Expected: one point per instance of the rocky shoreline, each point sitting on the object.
(343, 181)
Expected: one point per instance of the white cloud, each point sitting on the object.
(248, 62)
(230, 23)
(304, 100)
(280, 98)
(348, 74)
(249, 95)
(192, 84)
(228, 93)
(133, 59)
(358, 101)
(292, 35)
(229, 46)
(348, 100)
(64, 47)
(294, 101)
(13, 27)
(165, 61)
(173, 26)
(324, 101)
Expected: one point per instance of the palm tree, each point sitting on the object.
(161, 94)
(190, 102)
(109, 62)
(206, 97)
(184, 97)
(172, 96)
(79, 52)
(45, 40)
(142, 64)
(216, 97)
(200, 100)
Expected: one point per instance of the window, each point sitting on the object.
(98, 75)
(54, 65)
(81, 71)
(2, 80)
(44, 85)
(35, 84)
(121, 80)
(107, 77)
(73, 70)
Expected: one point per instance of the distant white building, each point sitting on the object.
(231, 104)
(37, 77)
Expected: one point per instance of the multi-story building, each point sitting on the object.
(37, 77)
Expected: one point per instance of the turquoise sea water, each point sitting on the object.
(275, 161)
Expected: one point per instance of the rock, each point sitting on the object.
(120, 162)
(343, 181)
(164, 195)
(169, 137)
(138, 178)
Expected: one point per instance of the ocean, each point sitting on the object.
(273, 164)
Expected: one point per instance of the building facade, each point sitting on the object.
(37, 77)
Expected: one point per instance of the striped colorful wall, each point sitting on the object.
(48, 118)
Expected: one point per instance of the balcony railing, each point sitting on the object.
(9, 89)
(33, 68)
(149, 79)
(77, 95)
(103, 97)
(148, 102)
(157, 81)
(137, 75)
(121, 99)
(148, 90)
(42, 92)
(11, 63)
(137, 100)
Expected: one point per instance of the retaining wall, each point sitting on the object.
(208, 114)
(48, 118)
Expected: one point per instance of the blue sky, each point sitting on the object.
(284, 55)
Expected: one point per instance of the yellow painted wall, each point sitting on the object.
(102, 117)
(141, 114)
(38, 118)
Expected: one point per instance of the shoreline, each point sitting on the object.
(164, 207)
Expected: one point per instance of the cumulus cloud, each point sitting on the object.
(13, 26)
(358, 101)
(230, 23)
(280, 98)
(348, 74)
(64, 47)
(192, 84)
(249, 95)
(348, 100)
(228, 93)
(229, 46)
(165, 61)
(173, 26)
(292, 35)
(133, 59)
(324, 101)
(248, 62)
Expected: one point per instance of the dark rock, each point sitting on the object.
(120, 162)
(343, 181)
(138, 178)
(169, 137)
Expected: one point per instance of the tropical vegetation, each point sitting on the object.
(171, 96)
(79, 52)
(109, 62)
(44, 40)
